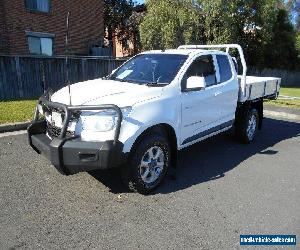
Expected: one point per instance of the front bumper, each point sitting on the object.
(71, 155)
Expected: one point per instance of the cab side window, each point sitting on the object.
(202, 66)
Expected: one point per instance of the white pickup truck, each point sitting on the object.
(156, 103)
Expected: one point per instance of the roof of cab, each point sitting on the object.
(189, 52)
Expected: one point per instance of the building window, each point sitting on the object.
(40, 43)
(38, 5)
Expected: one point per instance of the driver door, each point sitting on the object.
(200, 109)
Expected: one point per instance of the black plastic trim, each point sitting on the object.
(70, 154)
(68, 110)
(208, 132)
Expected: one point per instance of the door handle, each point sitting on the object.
(218, 93)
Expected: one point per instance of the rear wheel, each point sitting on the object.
(247, 126)
(148, 164)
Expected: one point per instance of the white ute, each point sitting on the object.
(156, 103)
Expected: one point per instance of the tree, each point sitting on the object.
(282, 47)
(116, 15)
(248, 23)
(134, 21)
(262, 27)
(298, 46)
(170, 23)
(293, 6)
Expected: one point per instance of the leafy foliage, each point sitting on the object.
(169, 23)
(262, 27)
(282, 52)
(293, 6)
(122, 19)
(116, 15)
(298, 45)
(134, 21)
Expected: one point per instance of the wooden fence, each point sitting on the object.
(28, 77)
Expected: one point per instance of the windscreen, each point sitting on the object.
(150, 69)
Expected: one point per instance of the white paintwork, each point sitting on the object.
(227, 47)
(100, 91)
(257, 87)
(189, 113)
(272, 83)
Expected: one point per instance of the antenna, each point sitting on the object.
(67, 59)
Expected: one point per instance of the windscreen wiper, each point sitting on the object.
(155, 84)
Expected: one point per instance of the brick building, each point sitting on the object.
(39, 26)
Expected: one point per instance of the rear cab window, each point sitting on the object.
(224, 68)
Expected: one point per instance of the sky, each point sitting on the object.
(140, 1)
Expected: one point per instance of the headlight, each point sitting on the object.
(101, 121)
(98, 122)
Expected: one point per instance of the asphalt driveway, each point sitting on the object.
(223, 189)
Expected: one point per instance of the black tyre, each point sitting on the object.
(247, 126)
(148, 164)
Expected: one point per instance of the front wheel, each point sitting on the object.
(247, 127)
(148, 164)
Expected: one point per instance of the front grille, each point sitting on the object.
(54, 131)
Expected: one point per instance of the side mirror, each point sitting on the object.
(195, 82)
